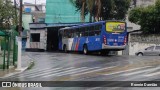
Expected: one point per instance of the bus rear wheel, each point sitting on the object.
(85, 50)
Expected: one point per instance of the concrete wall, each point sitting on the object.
(145, 3)
(138, 42)
(136, 46)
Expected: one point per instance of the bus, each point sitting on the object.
(103, 36)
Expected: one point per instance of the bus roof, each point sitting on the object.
(89, 24)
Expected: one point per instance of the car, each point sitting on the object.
(152, 50)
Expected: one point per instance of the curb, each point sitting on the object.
(31, 64)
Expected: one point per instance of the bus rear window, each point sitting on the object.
(115, 27)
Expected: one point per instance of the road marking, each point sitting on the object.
(51, 73)
(152, 74)
(137, 72)
(33, 73)
(40, 70)
(69, 71)
(127, 70)
(46, 73)
(83, 70)
(93, 71)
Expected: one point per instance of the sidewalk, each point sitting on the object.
(26, 62)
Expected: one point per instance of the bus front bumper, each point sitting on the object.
(113, 47)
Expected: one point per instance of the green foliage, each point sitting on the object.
(7, 14)
(120, 8)
(135, 14)
(147, 17)
(106, 9)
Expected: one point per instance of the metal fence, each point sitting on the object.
(9, 48)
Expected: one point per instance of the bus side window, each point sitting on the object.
(64, 34)
(72, 33)
(82, 31)
(97, 30)
(76, 33)
(91, 31)
(86, 29)
(60, 34)
(69, 33)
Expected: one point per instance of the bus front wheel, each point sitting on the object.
(85, 50)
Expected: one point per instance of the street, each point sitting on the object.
(78, 67)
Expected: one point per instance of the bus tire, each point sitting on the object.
(85, 49)
(65, 48)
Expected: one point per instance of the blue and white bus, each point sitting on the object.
(101, 36)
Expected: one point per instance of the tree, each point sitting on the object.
(102, 9)
(7, 14)
(147, 17)
(120, 9)
(90, 5)
(81, 7)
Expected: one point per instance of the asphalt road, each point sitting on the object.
(78, 67)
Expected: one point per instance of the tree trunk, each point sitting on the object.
(90, 17)
(82, 12)
(98, 4)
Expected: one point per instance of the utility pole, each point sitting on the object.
(19, 39)
(15, 6)
(20, 18)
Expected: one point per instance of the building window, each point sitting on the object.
(41, 20)
(35, 37)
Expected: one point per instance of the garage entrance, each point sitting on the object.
(52, 38)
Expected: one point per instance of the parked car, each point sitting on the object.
(152, 50)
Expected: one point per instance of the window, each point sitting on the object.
(65, 34)
(86, 32)
(157, 48)
(69, 34)
(150, 48)
(91, 31)
(61, 33)
(35, 37)
(82, 31)
(72, 33)
(77, 32)
(41, 20)
(97, 30)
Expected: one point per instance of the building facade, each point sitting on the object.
(142, 3)
(36, 10)
(61, 11)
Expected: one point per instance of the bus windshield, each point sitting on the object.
(115, 27)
